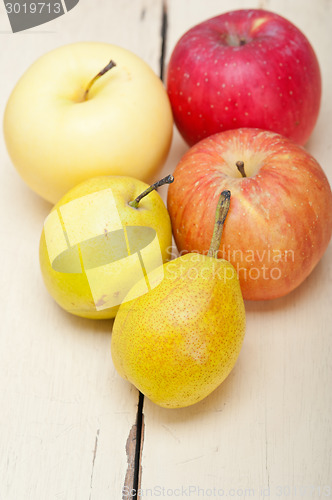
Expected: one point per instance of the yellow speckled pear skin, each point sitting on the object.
(178, 342)
(72, 290)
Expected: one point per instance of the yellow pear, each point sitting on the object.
(179, 341)
(101, 238)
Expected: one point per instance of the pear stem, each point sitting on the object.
(166, 180)
(221, 213)
(240, 167)
(109, 66)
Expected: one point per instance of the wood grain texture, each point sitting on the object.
(65, 413)
(67, 418)
(266, 431)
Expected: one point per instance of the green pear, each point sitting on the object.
(179, 341)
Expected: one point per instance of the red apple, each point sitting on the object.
(280, 218)
(247, 68)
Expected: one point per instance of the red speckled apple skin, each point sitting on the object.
(247, 68)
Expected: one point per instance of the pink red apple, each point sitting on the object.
(280, 218)
(246, 68)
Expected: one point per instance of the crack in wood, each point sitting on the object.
(130, 452)
(139, 458)
(93, 461)
(164, 26)
(134, 446)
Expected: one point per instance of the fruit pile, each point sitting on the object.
(249, 207)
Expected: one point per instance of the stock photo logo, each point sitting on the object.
(86, 236)
(25, 14)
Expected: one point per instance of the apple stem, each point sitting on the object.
(166, 180)
(221, 214)
(109, 66)
(240, 167)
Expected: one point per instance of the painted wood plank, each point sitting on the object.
(66, 416)
(266, 432)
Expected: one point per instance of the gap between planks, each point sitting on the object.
(134, 444)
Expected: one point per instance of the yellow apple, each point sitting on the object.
(99, 240)
(57, 135)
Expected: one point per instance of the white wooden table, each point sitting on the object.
(67, 420)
